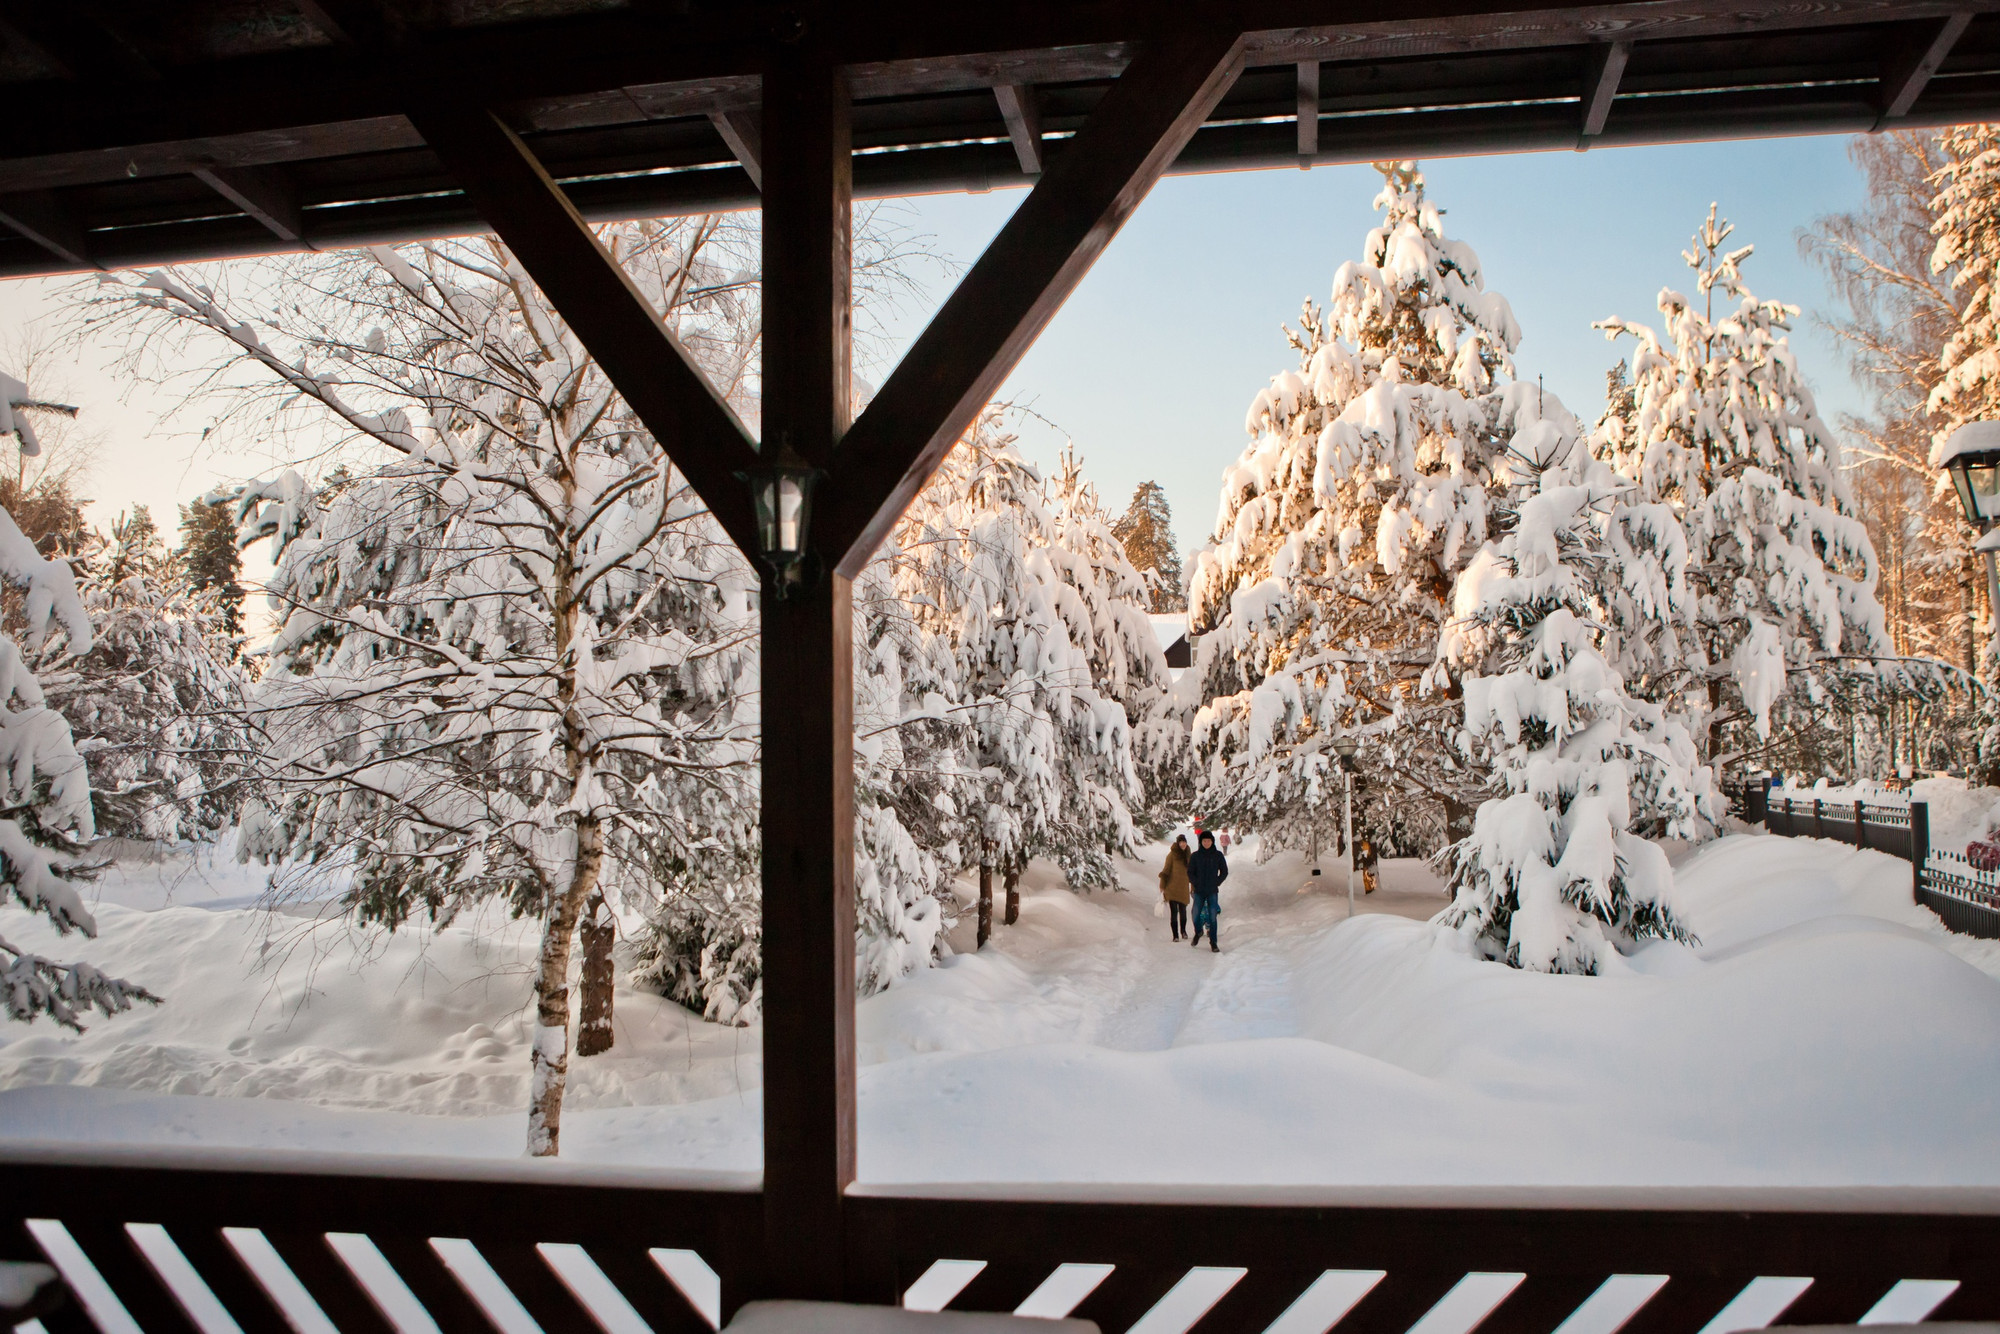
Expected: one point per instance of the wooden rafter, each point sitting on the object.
(1923, 53)
(1024, 123)
(1308, 110)
(1603, 67)
(1003, 304)
(604, 308)
(262, 194)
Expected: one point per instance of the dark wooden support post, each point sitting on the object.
(1024, 123)
(808, 695)
(261, 194)
(1912, 65)
(1920, 847)
(1603, 68)
(1026, 274)
(1308, 112)
(41, 216)
(599, 301)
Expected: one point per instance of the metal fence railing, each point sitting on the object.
(1965, 897)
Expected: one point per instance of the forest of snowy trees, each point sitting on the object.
(505, 657)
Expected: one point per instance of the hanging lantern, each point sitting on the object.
(783, 496)
(1971, 454)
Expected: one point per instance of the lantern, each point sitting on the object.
(783, 496)
(1971, 454)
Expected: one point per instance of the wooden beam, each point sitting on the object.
(41, 216)
(1603, 67)
(1906, 71)
(84, 41)
(1026, 274)
(261, 193)
(739, 130)
(1024, 123)
(598, 299)
(808, 692)
(361, 24)
(1308, 111)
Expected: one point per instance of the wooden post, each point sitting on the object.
(1819, 821)
(808, 695)
(1860, 828)
(1920, 847)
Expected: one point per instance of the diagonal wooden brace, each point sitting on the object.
(536, 220)
(1008, 298)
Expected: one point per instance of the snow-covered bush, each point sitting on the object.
(45, 796)
(1365, 489)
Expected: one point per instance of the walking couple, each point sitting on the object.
(1196, 875)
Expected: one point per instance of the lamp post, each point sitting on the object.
(783, 497)
(1345, 747)
(1971, 454)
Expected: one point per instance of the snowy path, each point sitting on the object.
(1821, 1017)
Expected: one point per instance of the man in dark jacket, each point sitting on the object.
(1206, 871)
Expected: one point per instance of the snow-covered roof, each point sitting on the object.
(1971, 438)
(1168, 626)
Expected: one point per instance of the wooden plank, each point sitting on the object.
(1024, 123)
(738, 128)
(435, 1287)
(1918, 59)
(1603, 67)
(1686, 1304)
(535, 1285)
(1400, 1300)
(601, 304)
(1308, 112)
(343, 1299)
(1541, 1302)
(87, 44)
(262, 194)
(807, 666)
(658, 1302)
(1029, 270)
(808, 876)
(41, 217)
(229, 1279)
(111, 1250)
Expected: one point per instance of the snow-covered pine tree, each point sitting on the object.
(1040, 665)
(1966, 224)
(1553, 876)
(46, 819)
(156, 701)
(1724, 431)
(514, 660)
(1365, 489)
(210, 561)
(1146, 530)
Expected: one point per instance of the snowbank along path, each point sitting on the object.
(1821, 1017)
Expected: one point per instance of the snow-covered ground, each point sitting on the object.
(1825, 1032)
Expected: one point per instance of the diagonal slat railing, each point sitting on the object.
(155, 1247)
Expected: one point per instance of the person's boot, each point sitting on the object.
(1196, 940)
(1213, 948)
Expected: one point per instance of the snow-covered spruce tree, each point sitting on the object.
(156, 700)
(1724, 431)
(1045, 643)
(209, 560)
(45, 816)
(514, 656)
(1365, 489)
(1553, 876)
(1147, 531)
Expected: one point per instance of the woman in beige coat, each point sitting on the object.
(1174, 885)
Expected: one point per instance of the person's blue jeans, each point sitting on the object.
(1207, 908)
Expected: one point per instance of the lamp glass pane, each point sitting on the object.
(1985, 482)
(791, 503)
(766, 492)
(1964, 488)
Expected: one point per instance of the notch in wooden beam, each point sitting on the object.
(1308, 112)
(261, 194)
(1024, 123)
(1603, 68)
(740, 129)
(1913, 64)
(42, 217)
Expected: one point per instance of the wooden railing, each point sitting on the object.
(186, 1248)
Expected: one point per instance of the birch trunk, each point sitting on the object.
(551, 1049)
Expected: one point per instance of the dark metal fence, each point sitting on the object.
(1966, 898)
(183, 1248)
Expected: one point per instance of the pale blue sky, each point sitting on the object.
(1153, 361)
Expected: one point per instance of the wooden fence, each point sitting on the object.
(185, 1248)
(1967, 898)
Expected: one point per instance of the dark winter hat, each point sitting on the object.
(1207, 837)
